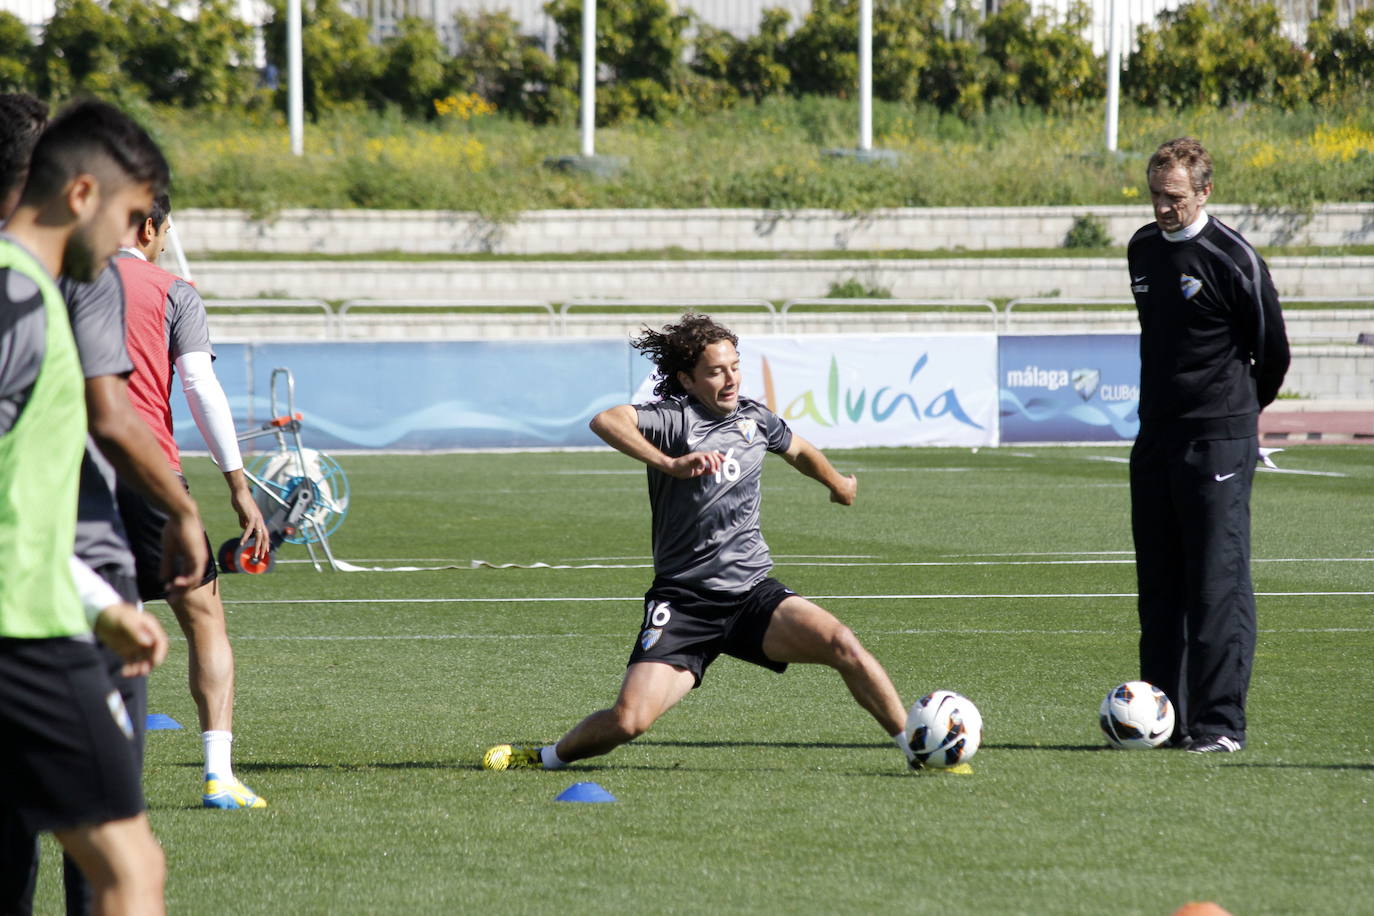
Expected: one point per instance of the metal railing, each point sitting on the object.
(627, 306)
(278, 304)
(932, 306)
(1127, 305)
(1295, 317)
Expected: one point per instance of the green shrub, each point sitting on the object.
(341, 65)
(82, 48)
(1217, 53)
(205, 61)
(855, 288)
(1342, 58)
(1087, 231)
(16, 52)
(416, 69)
(821, 54)
(1036, 61)
(640, 45)
(503, 66)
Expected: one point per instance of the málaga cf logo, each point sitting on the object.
(1085, 381)
(1190, 286)
(747, 428)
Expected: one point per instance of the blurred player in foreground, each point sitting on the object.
(168, 331)
(117, 433)
(704, 446)
(68, 764)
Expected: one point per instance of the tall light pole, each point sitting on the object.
(1113, 75)
(588, 77)
(865, 151)
(295, 89)
(865, 75)
(588, 160)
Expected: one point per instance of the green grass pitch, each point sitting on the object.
(366, 699)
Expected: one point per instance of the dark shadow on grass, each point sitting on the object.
(1303, 766)
(1049, 747)
(579, 767)
(802, 745)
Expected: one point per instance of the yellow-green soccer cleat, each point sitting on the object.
(510, 757)
(229, 794)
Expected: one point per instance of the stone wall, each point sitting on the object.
(350, 232)
(776, 279)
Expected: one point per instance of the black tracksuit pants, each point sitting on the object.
(1190, 517)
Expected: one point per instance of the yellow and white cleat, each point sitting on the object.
(229, 794)
(512, 757)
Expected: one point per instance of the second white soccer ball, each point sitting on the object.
(1136, 715)
(944, 729)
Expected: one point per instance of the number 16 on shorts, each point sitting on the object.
(656, 617)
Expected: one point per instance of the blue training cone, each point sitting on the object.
(584, 792)
(156, 721)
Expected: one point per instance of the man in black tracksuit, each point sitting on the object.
(1213, 352)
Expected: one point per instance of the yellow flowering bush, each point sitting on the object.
(464, 106)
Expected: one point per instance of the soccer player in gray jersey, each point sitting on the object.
(96, 313)
(704, 446)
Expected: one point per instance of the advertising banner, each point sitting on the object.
(1069, 388)
(426, 395)
(855, 390)
(839, 390)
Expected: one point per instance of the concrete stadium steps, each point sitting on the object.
(556, 281)
(1334, 327)
(542, 232)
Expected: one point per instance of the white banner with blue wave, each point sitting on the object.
(860, 390)
(403, 395)
(1070, 387)
(838, 390)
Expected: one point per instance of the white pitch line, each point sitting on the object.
(791, 561)
(923, 631)
(604, 598)
(776, 556)
(1047, 553)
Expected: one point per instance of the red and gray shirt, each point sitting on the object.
(166, 319)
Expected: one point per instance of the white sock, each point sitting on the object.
(549, 755)
(899, 739)
(217, 755)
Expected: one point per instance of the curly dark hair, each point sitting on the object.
(22, 119)
(677, 347)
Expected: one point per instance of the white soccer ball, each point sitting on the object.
(944, 729)
(1136, 715)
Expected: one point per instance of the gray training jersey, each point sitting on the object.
(96, 310)
(706, 529)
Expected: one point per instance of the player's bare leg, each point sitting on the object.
(804, 632)
(210, 663)
(649, 690)
(123, 863)
(210, 671)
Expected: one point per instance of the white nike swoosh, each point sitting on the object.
(693, 443)
(1138, 279)
(1220, 477)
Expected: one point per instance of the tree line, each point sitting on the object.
(657, 63)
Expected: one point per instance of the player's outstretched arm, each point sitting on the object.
(812, 462)
(619, 428)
